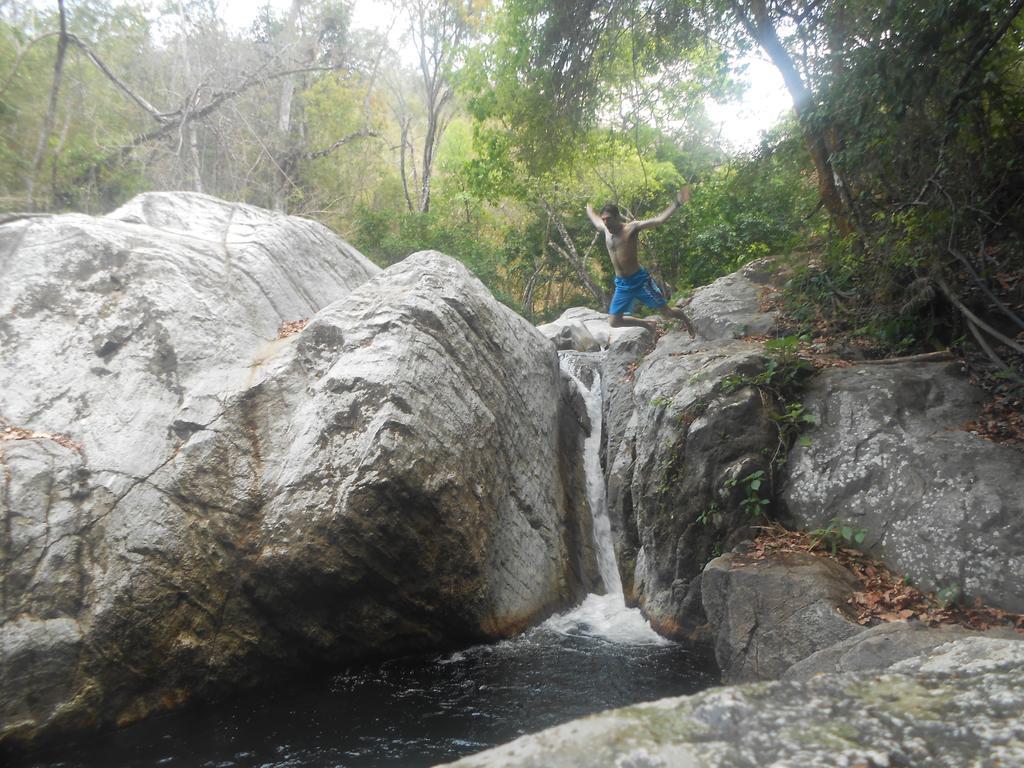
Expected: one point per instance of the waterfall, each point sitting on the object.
(584, 368)
(604, 616)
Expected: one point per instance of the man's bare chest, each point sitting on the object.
(620, 244)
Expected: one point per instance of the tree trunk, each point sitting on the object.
(192, 137)
(51, 109)
(754, 18)
(284, 114)
(428, 161)
(401, 160)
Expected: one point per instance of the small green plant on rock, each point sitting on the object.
(704, 518)
(836, 534)
(948, 596)
(783, 370)
(789, 423)
(753, 503)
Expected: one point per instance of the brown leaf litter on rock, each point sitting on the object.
(883, 596)
(291, 328)
(8, 433)
(1000, 421)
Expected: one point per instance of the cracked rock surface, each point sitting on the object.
(939, 505)
(223, 506)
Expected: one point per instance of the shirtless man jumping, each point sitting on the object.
(632, 281)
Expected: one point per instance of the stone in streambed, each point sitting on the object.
(879, 648)
(766, 615)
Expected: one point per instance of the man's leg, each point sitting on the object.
(621, 303)
(678, 314)
(651, 295)
(621, 320)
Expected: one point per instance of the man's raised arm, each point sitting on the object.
(682, 196)
(594, 218)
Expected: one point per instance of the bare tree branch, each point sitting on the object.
(340, 143)
(981, 324)
(987, 291)
(156, 114)
(570, 254)
(999, 362)
(217, 100)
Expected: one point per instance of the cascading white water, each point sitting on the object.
(580, 368)
(604, 615)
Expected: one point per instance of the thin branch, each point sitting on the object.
(216, 101)
(573, 257)
(1000, 363)
(95, 59)
(988, 291)
(925, 357)
(979, 322)
(340, 143)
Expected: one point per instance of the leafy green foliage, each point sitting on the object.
(783, 372)
(925, 104)
(752, 503)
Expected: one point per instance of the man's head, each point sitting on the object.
(611, 217)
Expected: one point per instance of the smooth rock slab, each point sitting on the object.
(584, 330)
(766, 615)
(730, 307)
(879, 648)
(889, 454)
(963, 705)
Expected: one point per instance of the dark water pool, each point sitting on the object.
(418, 711)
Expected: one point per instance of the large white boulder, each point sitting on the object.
(192, 504)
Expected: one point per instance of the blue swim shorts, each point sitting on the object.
(639, 286)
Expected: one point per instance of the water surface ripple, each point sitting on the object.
(418, 711)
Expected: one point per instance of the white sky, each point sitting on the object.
(761, 107)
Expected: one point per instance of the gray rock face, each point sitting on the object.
(731, 306)
(879, 648)
(767, 615)
(960, 705)
(585, 330)
(579, 329)
(677, 449)
(387, 480)
(940, 506)
(676, 466)
(105, 323)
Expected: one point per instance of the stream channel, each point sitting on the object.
(420, 711)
